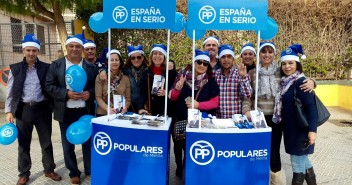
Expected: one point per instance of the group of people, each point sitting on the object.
(222, 87)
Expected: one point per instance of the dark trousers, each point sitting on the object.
(179, 147)
(276, 136)
(73, 115)
(40, 116)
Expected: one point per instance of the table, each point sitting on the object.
(227, 156)
(125, 153)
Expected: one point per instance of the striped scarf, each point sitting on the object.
(285, 84)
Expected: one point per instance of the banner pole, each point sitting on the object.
(167, 74)
(257, 73)
(193, 70)
(109, 48)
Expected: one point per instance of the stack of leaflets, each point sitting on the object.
(119, 103)
(258, 119)
(194, 118)
(241, 121)
(158, 83)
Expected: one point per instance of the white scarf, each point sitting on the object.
(268, 86)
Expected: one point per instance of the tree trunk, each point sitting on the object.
(60, 24)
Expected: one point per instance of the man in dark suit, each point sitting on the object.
(28, 102)
(69, 106)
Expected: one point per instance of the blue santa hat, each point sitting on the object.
(226, 49)
(291, 53)
(135, 49)
(79, 38)
(159, 47)
(30, 40)
(214, 38)
(248, 46)
(112, 52)
(89, 43)
(202, 55)
(271, 44)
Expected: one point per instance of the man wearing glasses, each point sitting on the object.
(233, 81)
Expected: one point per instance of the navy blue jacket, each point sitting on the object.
(294, 136)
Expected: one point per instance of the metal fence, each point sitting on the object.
(11, 35)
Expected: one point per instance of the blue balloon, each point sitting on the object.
(96, 23)
(271, 30)
(179, 23)
(79, 132)
(199, 33)
(87, 118)
(8, 133)
(76, 78)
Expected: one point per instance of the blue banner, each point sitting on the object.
(227, 14)
(139, 14)
(129, 156)
(228, 158)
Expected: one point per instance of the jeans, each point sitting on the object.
(72, 115)
(300, 163)
(276, 136)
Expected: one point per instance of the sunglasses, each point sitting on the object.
(138, 57)
(205, 63)
(306, 144)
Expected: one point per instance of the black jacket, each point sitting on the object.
(55, 85)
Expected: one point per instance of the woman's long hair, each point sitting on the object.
(163, 65)
(129, 62)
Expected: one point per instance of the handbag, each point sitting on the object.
(180, 126)
(323, 113)
(180, 130)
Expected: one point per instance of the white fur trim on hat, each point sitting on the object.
(211, 38)
(136, 51)
(159, 49)
(89, 44)
(73, 39)
(34, 44)
(112, 52)
(248, 48)
(289, 57)
(267, 44)
(202, 57)
(225, 52)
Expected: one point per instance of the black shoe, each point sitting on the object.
(179, 172)
(310, 177)
(298, 178)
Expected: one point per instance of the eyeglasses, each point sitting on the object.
(200, 62)
(306, 144)
(138, 57)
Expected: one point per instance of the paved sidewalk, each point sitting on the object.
(332, 159)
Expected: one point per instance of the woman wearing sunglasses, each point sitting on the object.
(136, 70)
(119, 85)
(295, 137)
(206, 92)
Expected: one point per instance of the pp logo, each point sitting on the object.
(69, 79)
(102, 143)
(207, 14)
(120, 14)
(288, 51)
(7, 132)
(202, 152)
